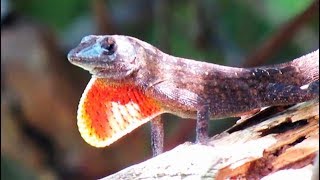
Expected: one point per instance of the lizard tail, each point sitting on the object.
(299, 72)
(308, 66)
(107, 111)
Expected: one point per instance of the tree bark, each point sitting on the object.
(282, 145)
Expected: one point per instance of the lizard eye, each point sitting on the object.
(109, 46)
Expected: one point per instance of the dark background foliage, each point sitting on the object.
(40, 89)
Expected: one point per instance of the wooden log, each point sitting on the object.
(281, 146)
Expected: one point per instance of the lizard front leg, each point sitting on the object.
(157, 135)
(178, 98)
(202, 126)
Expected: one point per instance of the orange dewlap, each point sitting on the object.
(107, 111)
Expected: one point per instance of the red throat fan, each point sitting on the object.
(107, 111)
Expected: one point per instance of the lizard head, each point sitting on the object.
(106, 56)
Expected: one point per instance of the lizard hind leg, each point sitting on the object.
(281, 94)
(107, 111)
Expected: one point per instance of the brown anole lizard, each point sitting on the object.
(133, 82)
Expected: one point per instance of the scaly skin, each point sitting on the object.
(166, 84)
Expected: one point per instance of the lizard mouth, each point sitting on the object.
(106, 71)
(101, 70)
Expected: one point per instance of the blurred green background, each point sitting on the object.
(40, 89)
